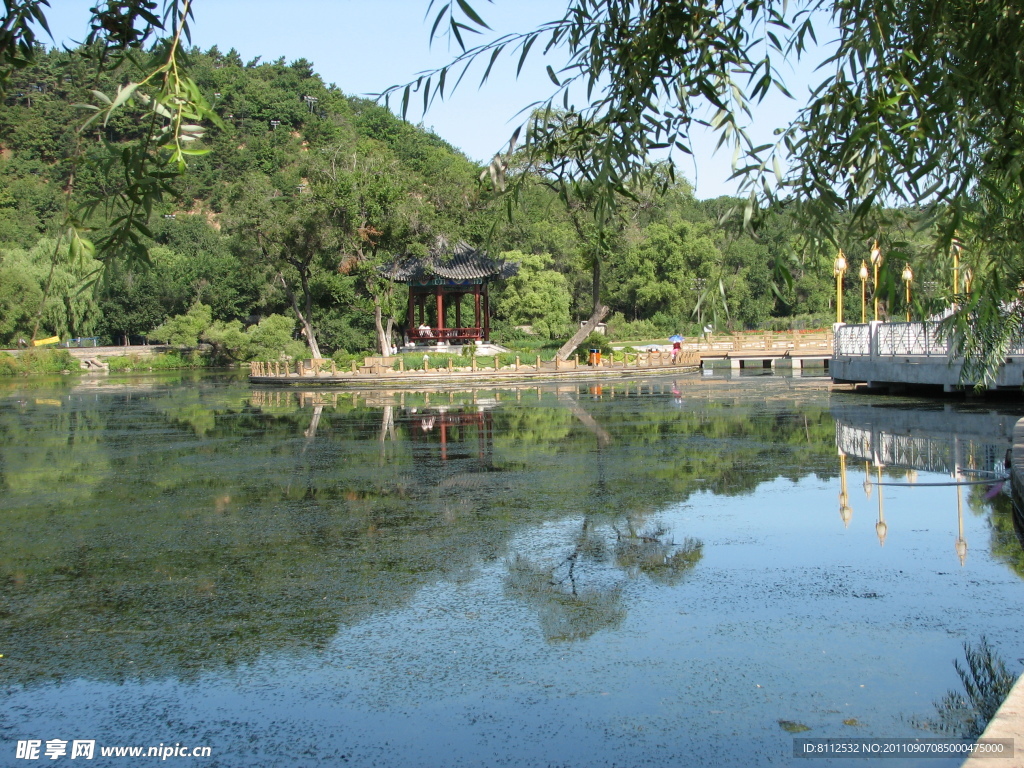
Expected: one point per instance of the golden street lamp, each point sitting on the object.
(840, 269)
(908, 278)
(955, 249)
(863, 291)
(876, 262)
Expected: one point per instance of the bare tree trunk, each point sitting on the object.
(304, 317)
(588, 328)
(314, 347)
(383, 336)
(600, 313)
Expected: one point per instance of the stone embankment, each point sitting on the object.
(385, 371)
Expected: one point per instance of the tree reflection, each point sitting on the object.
(582, 593)
(653, 554)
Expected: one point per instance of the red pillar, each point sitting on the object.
(458, 310)
(440, 314)
(487, 313)
(476, 306)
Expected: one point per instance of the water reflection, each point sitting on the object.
(648, 568)
(972, 448)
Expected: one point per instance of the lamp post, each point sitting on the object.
(840, 269)
(863, 291)
(908, 278)
(876, 262)
(955, 249)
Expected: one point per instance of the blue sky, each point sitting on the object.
(364, 46)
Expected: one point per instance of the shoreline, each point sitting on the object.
(457, 378)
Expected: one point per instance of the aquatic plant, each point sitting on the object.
(986, 682)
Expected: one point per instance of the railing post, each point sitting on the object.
(874, 328)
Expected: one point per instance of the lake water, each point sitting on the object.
(653, 573)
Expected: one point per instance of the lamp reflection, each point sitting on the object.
(961, 543)
(881, 528)
(845, 511)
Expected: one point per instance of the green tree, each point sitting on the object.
(20, 296)
(66, 303)
(537, 295)
(294, 236)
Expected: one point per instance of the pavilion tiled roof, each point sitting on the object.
(460, 262)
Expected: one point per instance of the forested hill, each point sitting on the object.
(304, 190)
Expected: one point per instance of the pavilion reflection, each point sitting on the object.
(445, 427)
(972, 448)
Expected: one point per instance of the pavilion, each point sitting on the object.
(438, 284)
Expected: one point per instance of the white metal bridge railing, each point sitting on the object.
(890, 340)
(921, 339)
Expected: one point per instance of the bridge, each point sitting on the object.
(757, 349)
(897, 355)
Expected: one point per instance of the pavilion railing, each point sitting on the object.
(445, 334)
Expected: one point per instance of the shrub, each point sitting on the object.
(168, 361)
(619, 328)
(597, 341)
(272, 338)
(228, 340)
(184, 330)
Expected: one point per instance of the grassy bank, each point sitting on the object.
(38, 361)
(162, 361)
